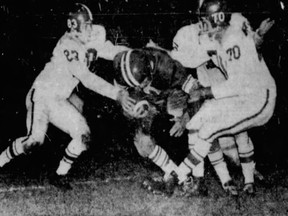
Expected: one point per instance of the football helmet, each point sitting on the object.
(133, 68)
(216, 14)
(80, 20)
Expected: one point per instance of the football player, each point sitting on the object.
(157, 74)
(208, 76)
(246, 99)
(47, 100)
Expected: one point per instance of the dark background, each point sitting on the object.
(30, 30)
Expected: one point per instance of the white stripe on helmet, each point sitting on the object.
(126, 70)
(123, 71)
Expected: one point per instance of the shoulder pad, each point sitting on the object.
(237, 20)
(186, 34)
(98, 33)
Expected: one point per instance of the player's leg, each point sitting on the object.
(246, 155)
(203, 127)
(67, 118)
(228, 117)
(36, 122)
(218, 118)
(147, 148)
(217, 160)
(229, 148)
(77, 102)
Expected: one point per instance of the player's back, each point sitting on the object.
(167, 73)
(244, 68)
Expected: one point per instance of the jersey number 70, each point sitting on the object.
(234, 52)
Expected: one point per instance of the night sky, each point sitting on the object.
(30, 30)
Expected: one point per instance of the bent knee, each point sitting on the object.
(31, 146)
(86, 138)
(144, 144)
(81, 133)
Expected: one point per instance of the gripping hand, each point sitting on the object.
(126, 101)
(201, 93)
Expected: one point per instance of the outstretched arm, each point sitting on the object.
(102, 87)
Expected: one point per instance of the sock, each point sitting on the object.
(12, 151)
(66, 162)
(198, 171)
(162, 160)
(220, 166)
(248, 170)
(182, 172)
(5, 157)
(247, 164)
(63, 167)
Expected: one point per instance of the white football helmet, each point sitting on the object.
(215, 14)
(80, 21)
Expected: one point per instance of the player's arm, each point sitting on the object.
(91, 81)
(108, 51)
(101, 86)
(105, 48)
(77, 64)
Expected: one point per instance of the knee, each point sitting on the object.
(28, 146)
(82, 134)
(245, 145)
(144, 144)
(79, 144)
(86, 138)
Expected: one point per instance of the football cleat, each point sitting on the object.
(194, 187)
(230, 188)
(61, 182)
(164, 186)
(249, 188)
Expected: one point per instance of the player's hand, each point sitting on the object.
(265, 26)
(201, 93)
(179, 126)
(177, 129)
(126, 102)
(141, 109)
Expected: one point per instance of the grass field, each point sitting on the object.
(111, 186)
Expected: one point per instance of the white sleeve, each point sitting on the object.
(75, 56)
(99, 85)
(188, 48)
(105, 48)
(108, 50)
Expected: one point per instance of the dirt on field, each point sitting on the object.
(111, 186)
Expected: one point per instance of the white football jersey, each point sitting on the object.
(245, 70)
(190, 46)
(68, 66)
(105, 48)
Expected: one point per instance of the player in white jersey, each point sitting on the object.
(244, 100)
(188, 37)
(47, 101)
